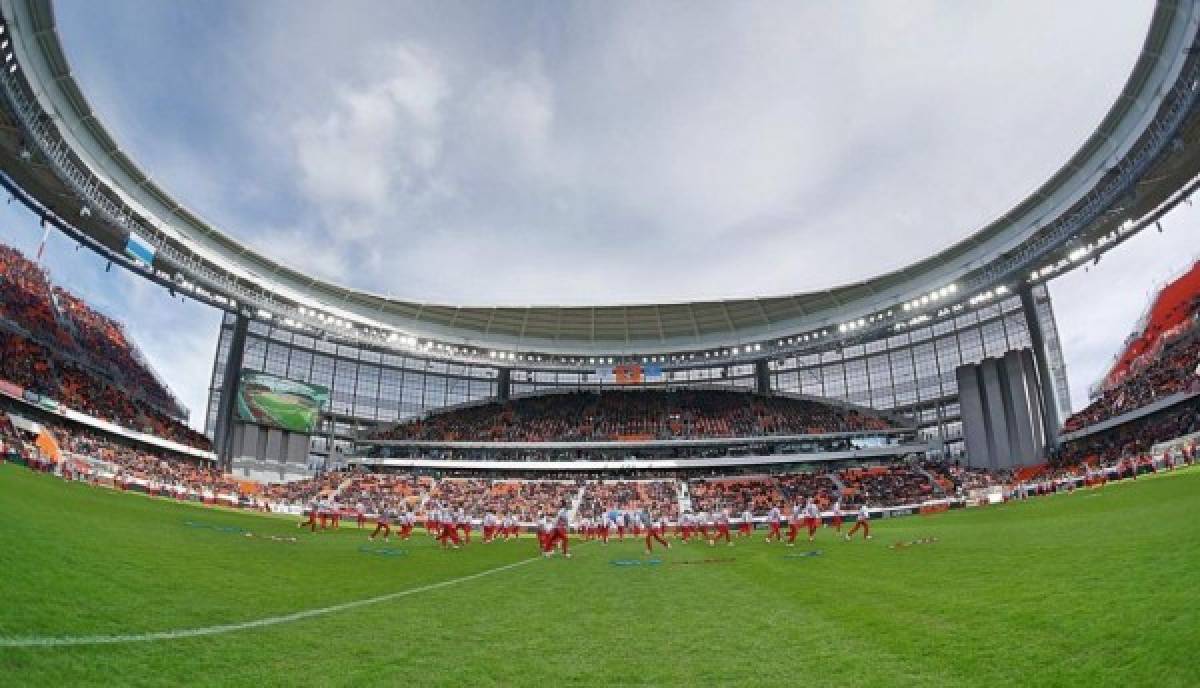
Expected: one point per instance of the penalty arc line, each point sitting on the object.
(63, 641)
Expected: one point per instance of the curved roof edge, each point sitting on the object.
(195, 253)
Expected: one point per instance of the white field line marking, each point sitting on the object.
(61, 641)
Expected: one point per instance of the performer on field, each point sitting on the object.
(774, 517)
(747, 526)
(720, 528)
(559, 536)
(464, 524)
(407, 520)
(312, 509)
(449, 534)
(686, 525)
(489, 526)
(864, 522)
(812, 514)
(837, 515)
(654, 531)
(545, 526)
(794, 522)
(383, 524)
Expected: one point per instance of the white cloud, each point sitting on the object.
(377, 140)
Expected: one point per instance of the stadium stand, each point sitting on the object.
(53, 344)
(114, 462)
(1130, 439)
(754, 493)
(885, 486)
(375, 492)
(655, 496)
(1171, 372)
(1162, 361)
(652, 414)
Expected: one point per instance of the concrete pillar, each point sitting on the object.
(223, 437)
(1037, 338)
(503, 384)
(762, 377)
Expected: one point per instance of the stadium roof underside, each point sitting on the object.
(1141, 160)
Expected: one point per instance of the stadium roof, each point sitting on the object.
(1141, 159)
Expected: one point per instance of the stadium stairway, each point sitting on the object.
(578, 501)
(684, 497)
(337, 494)
(937, 487)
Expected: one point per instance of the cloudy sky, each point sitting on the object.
(516, 153)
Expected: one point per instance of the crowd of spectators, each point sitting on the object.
(54, 344)
(879, 486)
(958, 479)
(301, 492)
(636, 414)
(659, 497)
(524, 499)
(1131, 439)
(528, 499)
(130, 462)
(1173, 370)
(380, 492)
(758, 494)
(887, 485)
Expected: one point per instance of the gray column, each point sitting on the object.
(762, 377)
(223, 437)
(974, 417)
(503, 384)
(1037, 339)
(996, 414)
(1020, 416)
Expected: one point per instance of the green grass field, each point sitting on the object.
(1096, 589)
(288, 411)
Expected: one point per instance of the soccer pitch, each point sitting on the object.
(288, 411)
(1095, 588)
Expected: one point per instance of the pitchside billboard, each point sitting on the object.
(271, 400)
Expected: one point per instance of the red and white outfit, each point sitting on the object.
(794, 523)
(687, 524)
(544, 528)
(721, 528)
(774, 517)
(464, 524)
(812, 513)
(864, 522)
(702, 524)
(383, 524)
(449, 531)
(655, 533)
(558, 535)
(837, 515)
(747, 525)
(489, 526)
(407, 521)
(313, 509)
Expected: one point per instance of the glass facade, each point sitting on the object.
(911, 374)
